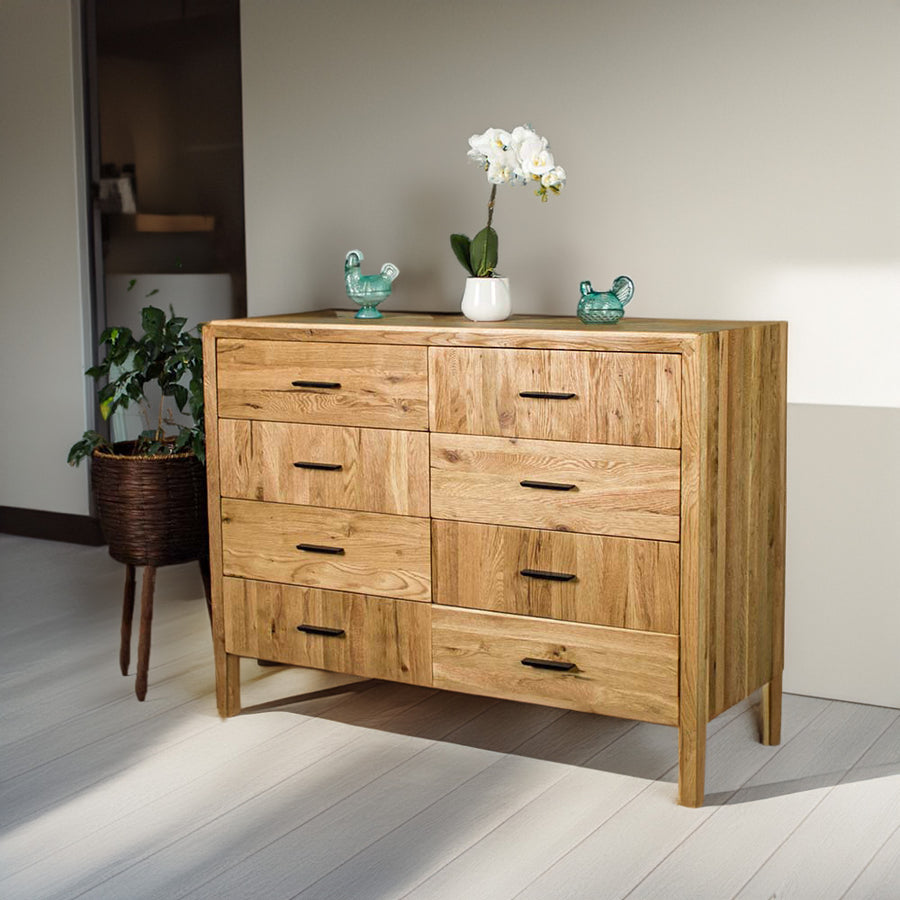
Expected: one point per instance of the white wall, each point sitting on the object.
(42, 254)
(737, 160)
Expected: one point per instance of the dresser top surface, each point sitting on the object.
(453, 329)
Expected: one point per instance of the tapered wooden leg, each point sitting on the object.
(692, 764)
(127, 616)
(771, 711)
(228, 683)
(207, 586)
(147, 587)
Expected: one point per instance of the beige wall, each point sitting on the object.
(42, 254)
(737, 160)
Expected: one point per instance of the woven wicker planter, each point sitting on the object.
(152, 508)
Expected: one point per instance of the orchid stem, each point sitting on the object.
(491, 204)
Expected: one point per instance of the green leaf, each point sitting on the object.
(181, 396)
(483, 253)
(131, 283)
(153, 320)
(460, 244)
(154, 291)
(174, 326)
(85, 447)
(106, 408)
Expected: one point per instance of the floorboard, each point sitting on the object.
(328, 786)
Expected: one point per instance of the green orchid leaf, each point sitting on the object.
(483, 253)
(461, 244)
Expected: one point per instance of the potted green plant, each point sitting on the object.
(519, 157)
(151, 491)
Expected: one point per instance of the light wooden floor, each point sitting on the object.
(382, 791)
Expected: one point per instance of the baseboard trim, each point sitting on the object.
(51, 526)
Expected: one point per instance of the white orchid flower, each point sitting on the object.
(535, 157)
(487, 145)
(500, 172)
(522, 133)
(556, 177)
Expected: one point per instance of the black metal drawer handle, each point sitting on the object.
(548, 485)
(547, 576)
(317, 384)
(324, 467)
(546, 395)
(321, 629)
(557, 665)
(318, 548)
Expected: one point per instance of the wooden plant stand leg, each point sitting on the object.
(127, 616)
(771, 711)
(147, 587)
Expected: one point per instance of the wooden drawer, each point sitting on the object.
(591, 488)
(371, 636)
(325, 465)
(612, 671)
(322, 383)
(575, 577)
(365, 553)
(607, 398)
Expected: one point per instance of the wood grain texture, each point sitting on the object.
(381, 471)
(442, 329)
(382, 638)
(618, 581)
(624, 491)
(228, 696)
(617, 672)
(733, 499)
(380, 387)
(745, 470)
(697, 520)
(620, 398)
(389, 556)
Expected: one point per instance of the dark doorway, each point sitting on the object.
(163, 92)
(165, 85)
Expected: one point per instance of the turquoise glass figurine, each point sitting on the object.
(367, 290)
(605, 307)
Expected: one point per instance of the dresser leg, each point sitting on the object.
(691, 764)
(228, 683)
(771, 711)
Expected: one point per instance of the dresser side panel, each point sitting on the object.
(746, 464)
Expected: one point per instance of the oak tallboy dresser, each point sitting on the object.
(588, 517)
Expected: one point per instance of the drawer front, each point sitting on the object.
(554, 575)
(633, 674)
(370, 636)
(319, 383)
(564, 395)
(325, 465)
(365, 553)
(590, 488)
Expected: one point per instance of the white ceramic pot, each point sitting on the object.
(486, 299)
